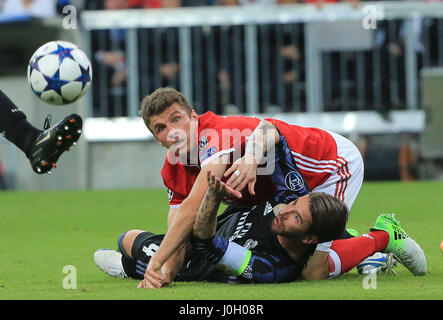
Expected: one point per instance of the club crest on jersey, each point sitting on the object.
(294, 181)
(250, 244)
(202, 143)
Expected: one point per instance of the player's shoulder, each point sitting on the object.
(300, 134)
(210, 120)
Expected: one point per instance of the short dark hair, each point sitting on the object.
(329, 216)
(159, 101)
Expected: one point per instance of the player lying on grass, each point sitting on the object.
(42, 148)
(306, 159)
(265, 243)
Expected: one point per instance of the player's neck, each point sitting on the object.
(294, 248)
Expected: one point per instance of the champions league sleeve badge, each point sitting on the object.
(294, 182)
(202, 143)
(170, 195)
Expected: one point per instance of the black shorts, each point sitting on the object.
(195, 267)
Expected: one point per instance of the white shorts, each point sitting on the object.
(345, 183)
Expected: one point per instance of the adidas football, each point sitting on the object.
(59, 72)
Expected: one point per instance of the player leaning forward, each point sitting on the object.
(300, 160)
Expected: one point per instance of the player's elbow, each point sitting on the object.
(270, 129)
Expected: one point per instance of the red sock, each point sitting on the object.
(354, 250)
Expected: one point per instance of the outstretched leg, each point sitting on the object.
(14, 125)
(43, 148)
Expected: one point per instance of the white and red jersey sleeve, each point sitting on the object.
(314, 151)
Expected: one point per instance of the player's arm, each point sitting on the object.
(171, 215)
(181, 226)
(258, 267)
(206, 220)
(173, 264)
(253, 266)
(264, 136)
(317, 267)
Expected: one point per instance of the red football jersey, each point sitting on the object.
(218, 135)
(314, 151)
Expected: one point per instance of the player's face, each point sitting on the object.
(175, 128)
(294, 220)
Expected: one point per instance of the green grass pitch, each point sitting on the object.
(43, 232)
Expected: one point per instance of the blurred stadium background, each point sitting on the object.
(372, 71)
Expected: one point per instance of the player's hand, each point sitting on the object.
(243, 172)
(219, 188)
(145, 285)
(153, 277)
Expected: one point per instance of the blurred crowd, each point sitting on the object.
(286, 53)
(13, 9)
(155, 4)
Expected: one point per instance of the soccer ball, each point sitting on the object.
(59, 72)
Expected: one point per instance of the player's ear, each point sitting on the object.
(310, 239)
(194, 114)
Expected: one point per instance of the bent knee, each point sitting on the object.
(126, 240)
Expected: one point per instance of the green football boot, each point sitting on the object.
(353, 232)
(405, 249)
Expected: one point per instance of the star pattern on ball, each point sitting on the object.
(54, 82)
(63, 52)
(34, 63)
(84, 77)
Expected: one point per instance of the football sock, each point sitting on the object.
(346, 254)
(15, 126)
